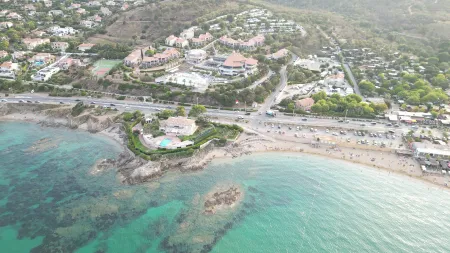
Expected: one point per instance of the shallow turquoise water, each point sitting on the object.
(50, 202)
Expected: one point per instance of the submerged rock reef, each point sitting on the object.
(222, 199)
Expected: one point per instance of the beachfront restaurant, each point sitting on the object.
(421, 150)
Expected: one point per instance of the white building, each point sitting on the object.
(105, 11)
(56, 13)
(88, 23)
(178, 126)
(85, 46)
(196, 55)
(6, 25)
(45, 74)
(32, 43)
(188, 33)
(7, 70)
(62, 31)
(422, 150)
(61, 46)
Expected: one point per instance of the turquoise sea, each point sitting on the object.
(51, 202)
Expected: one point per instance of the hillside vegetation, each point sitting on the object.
(425, 20)
(158, 20)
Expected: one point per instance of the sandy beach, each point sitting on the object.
(255, 142)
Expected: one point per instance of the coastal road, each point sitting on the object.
(254, 119)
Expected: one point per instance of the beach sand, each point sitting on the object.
(252, 141)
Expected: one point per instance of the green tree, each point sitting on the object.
(180, 111)
(4, 45)
(197, 110)
(165, 114)
(290, 107)
(440, 81)
(319, 96)
(366, 86)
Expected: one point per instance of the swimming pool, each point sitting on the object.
(165, 142)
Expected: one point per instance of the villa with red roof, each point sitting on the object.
(237, 64)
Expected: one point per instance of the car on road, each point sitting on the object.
(158, 109)
(77, 100)
(389, 124)
(327, 131)
(335, 134)
(92, 103)
(396, 125)
(29, 101)
(61, 102)
(340, 121)
(304, 119)
(373, 123)
(112, 104)
(347, 121)
(37, 102)
(21, 101)
(4, 100)
(363, 124)
(247, 113)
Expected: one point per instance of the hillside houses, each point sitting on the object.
(48, 3)
(81, 11)
(61, 46)
(32, 43)
(3, 13)
(202, 39)
(44, 58)
(188, 33)
(251, 44)
(88, 23)
(6, 25)
(3, 53)
(75, 6)
(134, 59)
(93, 3)
(105, 11)
(278, 55)
(68, 63)
(85, 46)
(56, 13)
(14, 15)
(62, 31)
(172, 40)
(7, 70)
(158, 59)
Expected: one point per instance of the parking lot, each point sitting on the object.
(387, 138)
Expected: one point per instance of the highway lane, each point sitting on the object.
(255, 119)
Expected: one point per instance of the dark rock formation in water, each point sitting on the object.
(224, 198)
